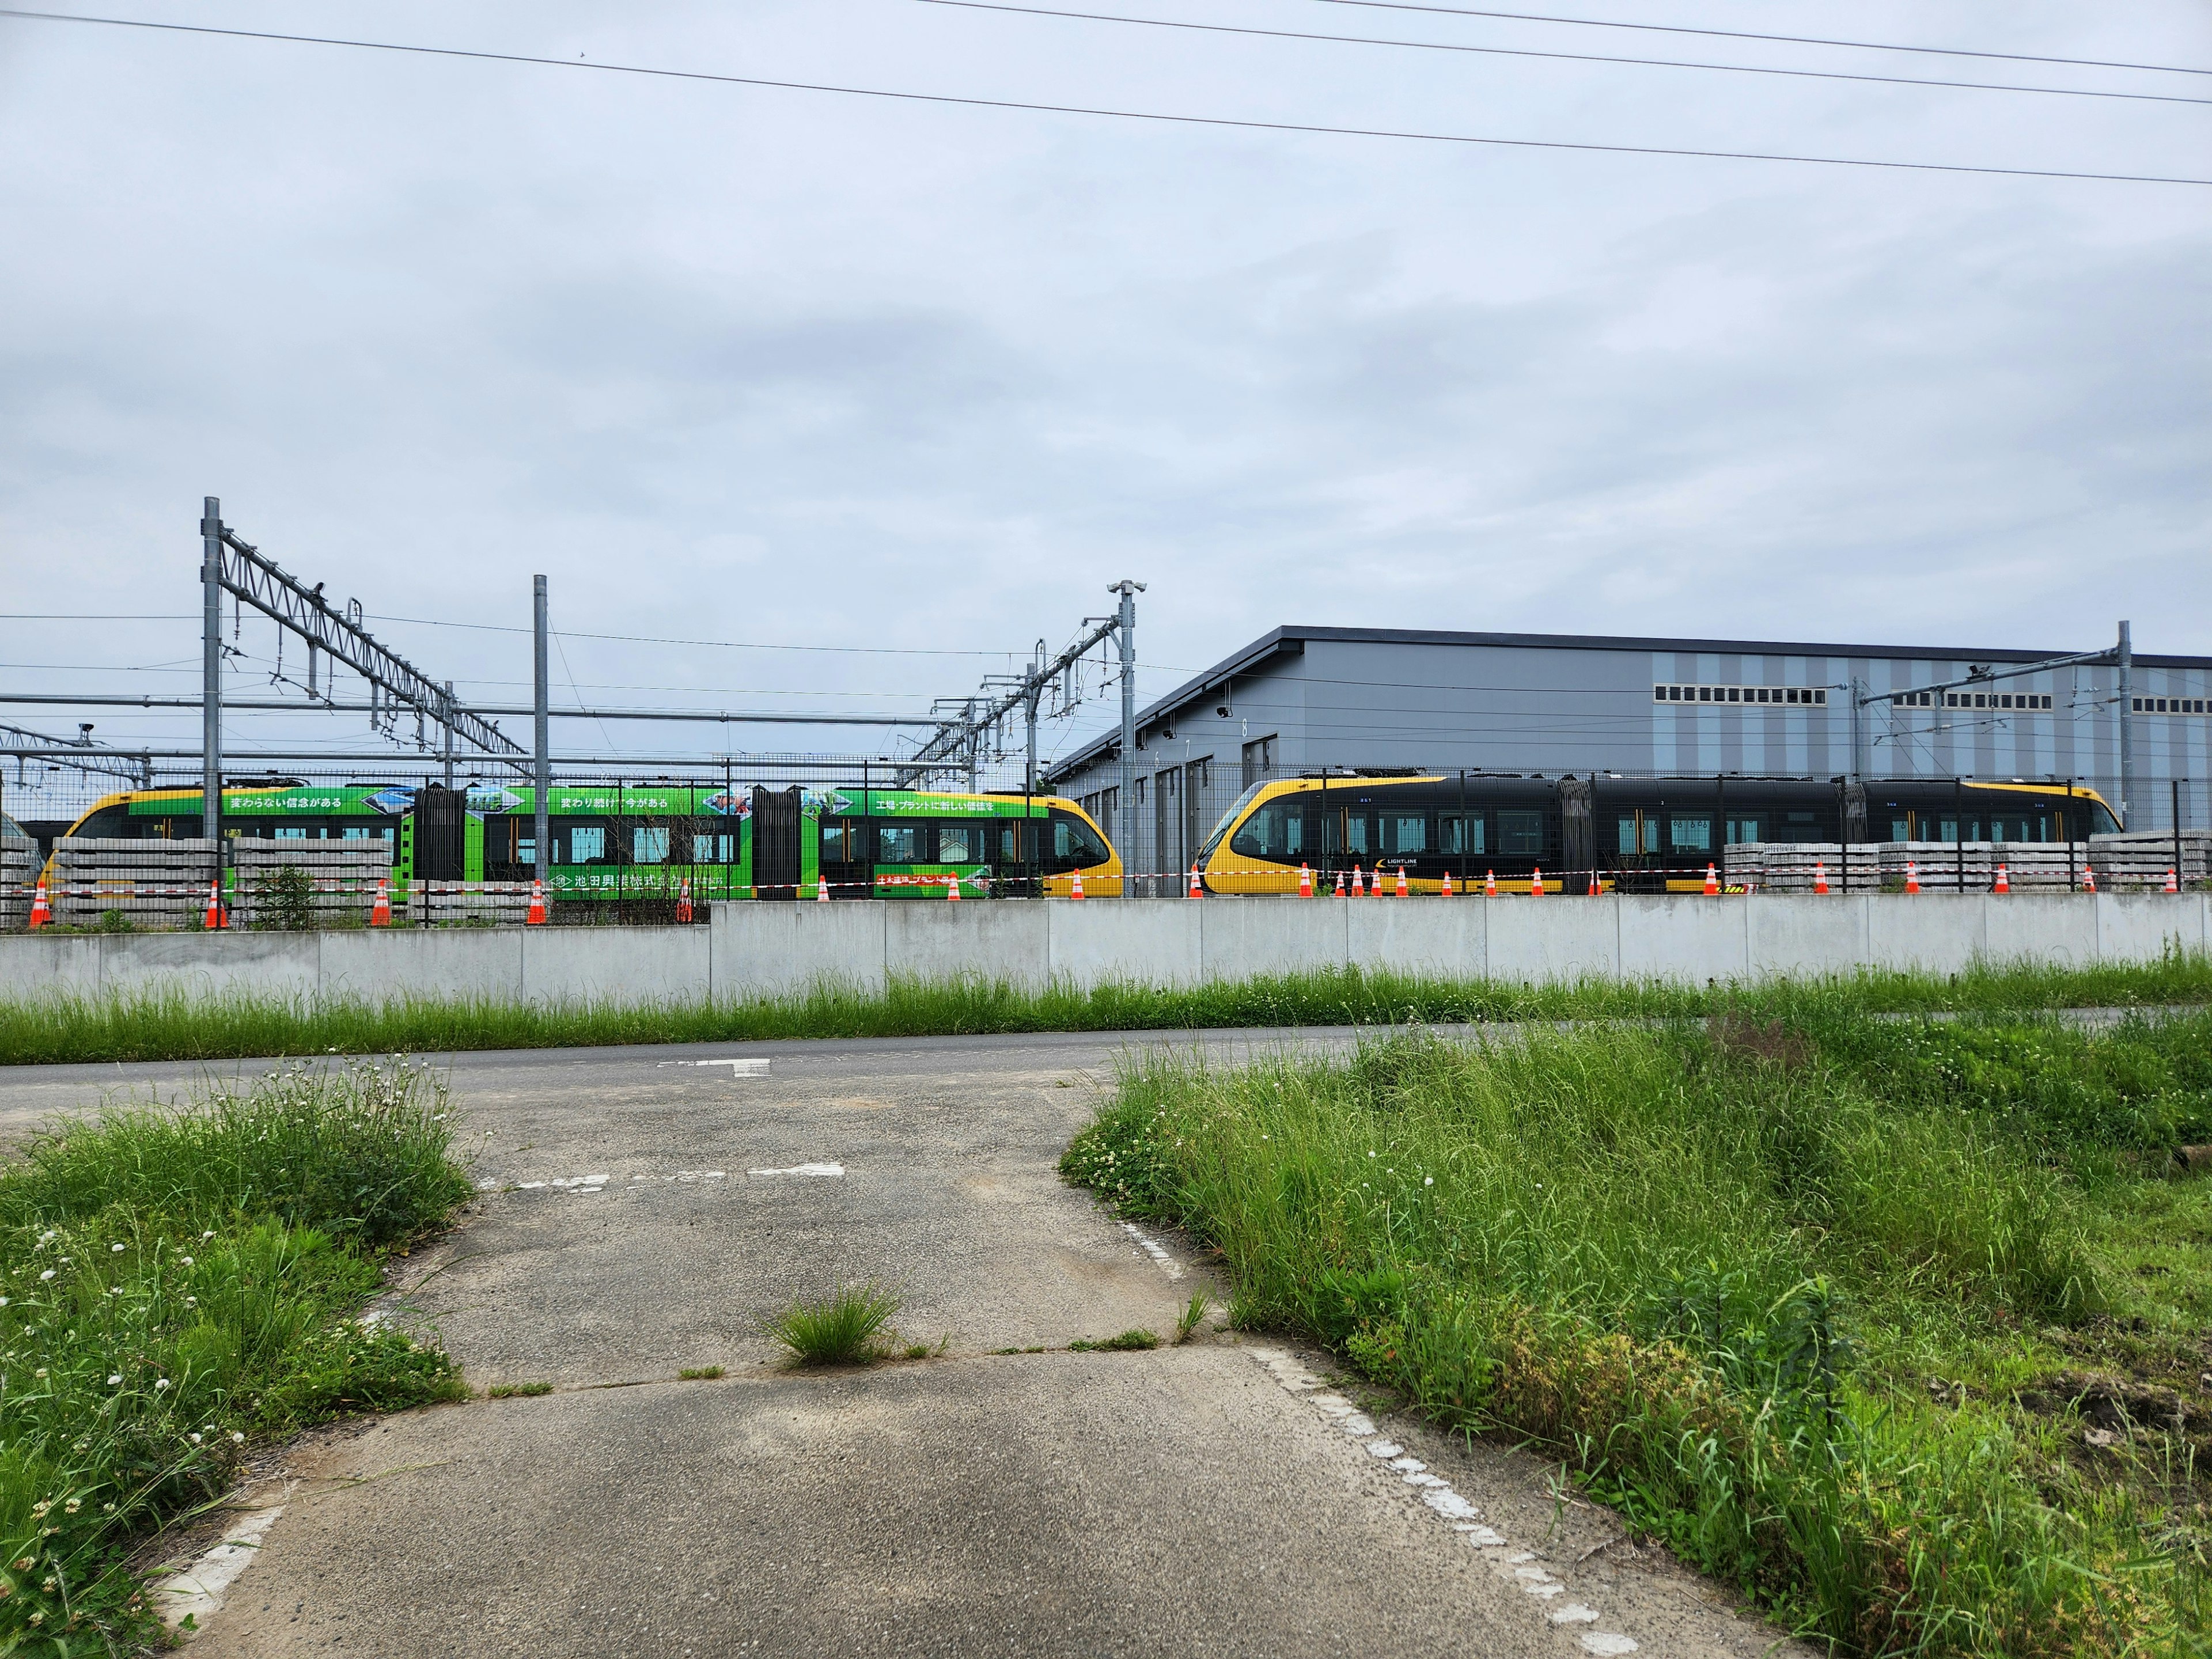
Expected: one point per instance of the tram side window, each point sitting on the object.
(1521, 832)
(1404, 833)
(587, 844)
(841, 842)
(1458, 833)
(648, 844)
(1690, 835)
(1356, 839)
(1637, 836)
(1742, 830)
(902, 843)
(955, 842)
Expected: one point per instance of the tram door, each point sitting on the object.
(775, 842)
(440, 834)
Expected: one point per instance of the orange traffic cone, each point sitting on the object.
(213, 919)
(1357, 890)
(1194, 889)
(1076, 891)
(379, 913)
(683, 901)
(41, 914)
(2171, 885)
(1712, 883)
(1402, 889)
(1490, 884)
(1536, 885)
(1306, 881)
(2088, 877)
(1340, 883)
(1911, 876)
(2004, 884)
(952, 889)
(1447, 891)
(821, 888)
(537, 916)
(1594, 889)
(1821, 876)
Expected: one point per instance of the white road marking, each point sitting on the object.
(738, 1067)
(1436, 1494)
(825, 1172)
(197, 1591)
(1166, 1263)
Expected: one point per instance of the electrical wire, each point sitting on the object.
(1562, 56)
(1779, 39)
(1159, 116)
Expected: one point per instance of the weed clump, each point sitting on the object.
(846, 1328)
(175, 1283)
(699, 1374)
(1129, 1341)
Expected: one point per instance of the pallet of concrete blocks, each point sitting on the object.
(470, 903)
(114, 881)
(19, 874)
(2139, 860)
(1798, 867)
(2042, 866)
(1940, 867)
(340, 881)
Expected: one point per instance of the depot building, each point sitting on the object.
(1379, 700)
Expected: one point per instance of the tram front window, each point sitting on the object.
(1275, 831)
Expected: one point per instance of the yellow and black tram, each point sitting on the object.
(1634, 834)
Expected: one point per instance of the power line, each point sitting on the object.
(1160, 117)
(1783, 39)
(1562, 56)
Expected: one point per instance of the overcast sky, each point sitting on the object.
(786, 367)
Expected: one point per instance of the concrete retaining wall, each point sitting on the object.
(755, 949)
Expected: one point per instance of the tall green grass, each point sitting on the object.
(145, 1026)
(176, 1283)
(1703, 1269)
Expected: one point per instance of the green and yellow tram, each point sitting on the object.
(622, 842)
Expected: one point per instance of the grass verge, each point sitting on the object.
(147, 1025)
(1899, 1326)
(174, 1284)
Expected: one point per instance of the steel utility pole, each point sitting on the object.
(448, 729)
(212, 669)
(1126, 627)
(542, 773)
(2126, 655)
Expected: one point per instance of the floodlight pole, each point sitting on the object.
(2126, 655)
(211, 671)
(542, 770)
(1126, 628)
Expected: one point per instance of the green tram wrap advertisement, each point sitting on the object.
(644, 842)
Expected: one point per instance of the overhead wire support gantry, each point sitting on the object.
(957, 745)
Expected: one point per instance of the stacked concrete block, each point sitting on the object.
(152, 883)
(2140, 859)
(460, 903)
(343, 877)
(18, 873)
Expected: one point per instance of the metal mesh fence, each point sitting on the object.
(320, 849)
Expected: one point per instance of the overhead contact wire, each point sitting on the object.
(1560, 57)
(1160, 117)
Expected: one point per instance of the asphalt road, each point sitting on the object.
(643, 1211)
